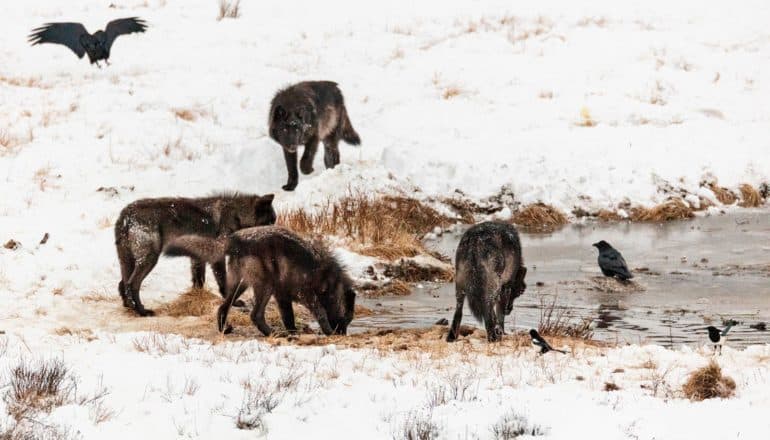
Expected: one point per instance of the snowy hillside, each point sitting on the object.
(571, 104)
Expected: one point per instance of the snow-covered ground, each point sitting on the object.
(567, 103)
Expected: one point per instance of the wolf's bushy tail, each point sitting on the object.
(203, 248)
(349, 134)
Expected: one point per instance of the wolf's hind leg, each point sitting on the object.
(331, 150)
(198, 269)
(143, 268)
(261, 298)
(287, 314)
(127, 264)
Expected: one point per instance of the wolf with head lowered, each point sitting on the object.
(145, 227)
(275, 262)
(304, 114)
(490, 272)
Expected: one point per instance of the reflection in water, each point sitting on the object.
(697, 273)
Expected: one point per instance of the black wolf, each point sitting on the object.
(304, 114)
(146, 226)
(611, 262)
(490, 272)
(274, 261)
(76, 37)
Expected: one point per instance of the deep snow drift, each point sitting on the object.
(565, 103)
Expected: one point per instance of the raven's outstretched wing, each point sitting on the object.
(67, 34)
(123, 26)
(613, 262)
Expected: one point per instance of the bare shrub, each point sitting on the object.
(557, 321)
(415, 426)
(38, 387)
(514, 425)
(539, 217)
(261, 397)
(229, 9)
(708, 383)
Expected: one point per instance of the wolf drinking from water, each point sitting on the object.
(490, 272)
(276, 262)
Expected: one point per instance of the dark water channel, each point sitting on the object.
(688, 275)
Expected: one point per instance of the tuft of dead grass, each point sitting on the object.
(229, 9)
(556, 321)
(673, 209)
(450, 92)
(750, 197)
(539, 217)
(395, 287)
(410, 271)
(389, 227)
(724, 195)
(38, 387)
(606, 215)
(708, 383)
(586, 120)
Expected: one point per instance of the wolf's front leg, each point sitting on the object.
(306, 163)
(291, 168)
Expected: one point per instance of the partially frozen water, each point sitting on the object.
(698, 273)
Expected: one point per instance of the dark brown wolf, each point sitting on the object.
(276, 262)
(304, 114)
(146, 226)
(490, 272)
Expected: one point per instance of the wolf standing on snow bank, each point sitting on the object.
(490, 272)
(304, 114)
(146, 226)
(274, 261)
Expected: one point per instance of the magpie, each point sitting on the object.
(718, 337)
(611, 262)
(538, 341)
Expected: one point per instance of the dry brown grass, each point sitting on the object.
(708, 383)
(32, 81)
(450, 92)
(586, 120)
(389, 227)
(673, 209)
(185, 114)
(394, 288)
(606, 215)
(38, 387)
(611, 386)
(229, 9)
(539, 217)
(411, 271)
(724, 195)
(750, 197)
(557, 321)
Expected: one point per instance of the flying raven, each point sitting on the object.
(611, 262)
(76, 37)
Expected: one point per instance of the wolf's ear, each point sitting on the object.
(279, 113)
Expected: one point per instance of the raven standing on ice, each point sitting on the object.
(611, 262)
(76, 37)
(538, 341)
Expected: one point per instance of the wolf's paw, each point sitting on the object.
(239, 303)
(228, 329)
(289, 187)
(306, 168)
(144, 312)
